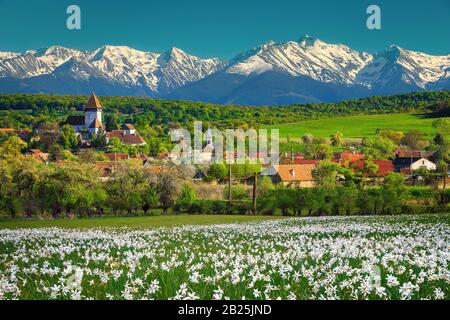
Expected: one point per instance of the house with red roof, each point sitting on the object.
(294, 175)
(384, 167)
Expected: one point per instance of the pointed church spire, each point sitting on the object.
(93, 103)
(209, 137)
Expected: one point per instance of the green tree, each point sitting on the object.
(99, 140)
(111, 122)
(325, 174)
(168, 189)
(336, 139)
(378, 148)
(393, 193)
(186, 197)
(218, 171)
(68, 137)
(12, 147)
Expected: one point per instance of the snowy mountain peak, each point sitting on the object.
(307, 41)
(308, 57)
(289, 72)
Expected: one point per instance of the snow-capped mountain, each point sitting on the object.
(396, 67)
(148, 73)
(307, 70)
(308, 57)
(311, 70)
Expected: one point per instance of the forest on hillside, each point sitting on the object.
(30, 110)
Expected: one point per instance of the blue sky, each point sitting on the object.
(223, 29)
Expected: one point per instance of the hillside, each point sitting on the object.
(165, 113)
(357, 126)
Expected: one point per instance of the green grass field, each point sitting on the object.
(130, 222)
(356, 126)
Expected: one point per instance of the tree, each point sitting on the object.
(99, 140)
(7, 197)
(336, 139)
(56, 152)
(378, 148)
(111, 122)
(68, 137)
(393, 193)
(265, 185)
(26, 176)
(394, 136)
(168, 189)
(414, 139)
(127, 183)
(325, 174)
(71, 188)
(307, 138)
(149, 195)
(318, 150)
(218, 171)
(187, 197)
(12, 147)
(442, 173)
(364, 172)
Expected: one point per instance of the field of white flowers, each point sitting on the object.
(403, 257)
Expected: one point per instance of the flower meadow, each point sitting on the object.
(389, 257)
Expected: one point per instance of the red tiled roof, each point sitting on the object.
(133, 139)
(93, 103)
(126, 138)
(410, 153)
(115, 134)
(295, 172)
(384, 166)
(6, 130)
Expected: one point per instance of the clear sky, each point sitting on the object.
(223, 28)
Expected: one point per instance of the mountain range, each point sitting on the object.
(303, 71)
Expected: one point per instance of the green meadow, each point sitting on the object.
(357, 126)
(129, 222)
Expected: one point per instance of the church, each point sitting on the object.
(91, 123)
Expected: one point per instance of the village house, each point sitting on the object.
(128, 135)
(423, 164)
(293, 175)
(384, 167)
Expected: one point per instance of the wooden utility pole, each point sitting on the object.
(255, 178)
(229, 183)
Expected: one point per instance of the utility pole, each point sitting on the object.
(292, 155)
(229, 185)
(255, 178)
(229, 182)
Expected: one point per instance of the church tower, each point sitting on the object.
(93, 114)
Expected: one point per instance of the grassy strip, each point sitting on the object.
(130, 222)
